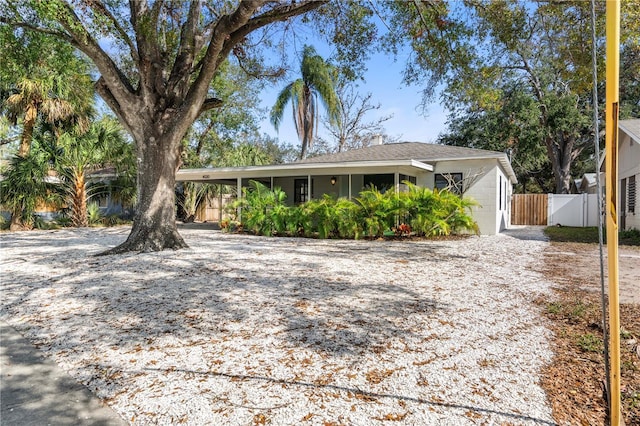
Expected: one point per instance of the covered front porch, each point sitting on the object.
(304, 182)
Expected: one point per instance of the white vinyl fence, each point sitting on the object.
(572, 210)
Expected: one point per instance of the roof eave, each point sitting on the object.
(501, 157)
(506, 165)
(292, 168)
(629, 131)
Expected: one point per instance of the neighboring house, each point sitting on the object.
(97, 187)
(99, 182)
(485, 176)
(629, 173)
(587, 184)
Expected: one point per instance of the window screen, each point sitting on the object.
(382, 182)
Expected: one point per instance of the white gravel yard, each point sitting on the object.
(246, 330)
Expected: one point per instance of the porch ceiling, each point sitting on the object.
(228, 175)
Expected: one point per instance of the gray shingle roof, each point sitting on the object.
(632, 127)
(404, 151)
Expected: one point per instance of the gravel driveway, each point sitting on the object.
(251, 330)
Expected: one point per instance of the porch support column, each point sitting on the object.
(396, 182)
(271, 187)
(349, 186)
(239, 197)
(310, 194)
(220, 204)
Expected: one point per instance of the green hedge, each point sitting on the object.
(421, 211)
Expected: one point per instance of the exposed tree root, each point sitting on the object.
(149, 240)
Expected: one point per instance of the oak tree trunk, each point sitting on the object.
(154, 223)
(561, 154)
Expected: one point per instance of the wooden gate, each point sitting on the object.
(213, 209)
(529, 209)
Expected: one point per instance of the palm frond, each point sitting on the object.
(277, 112)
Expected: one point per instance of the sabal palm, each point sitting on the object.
(316, 84)
(47, 80)
(103, 144)
(26, 185)
(34, 98)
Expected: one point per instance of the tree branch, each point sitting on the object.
(211, 60)
(64, 36)
(274, 73)
(280, 13)
(78, 36)
(101, 8)
(105, 93)
(202, 136)
(186, 52)
(145, 25)
(211, 103)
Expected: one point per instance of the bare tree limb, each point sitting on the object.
(460, 186)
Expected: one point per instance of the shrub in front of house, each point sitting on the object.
(372, 214)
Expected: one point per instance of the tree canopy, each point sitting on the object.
(542, 52)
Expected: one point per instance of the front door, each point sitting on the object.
(300, 191)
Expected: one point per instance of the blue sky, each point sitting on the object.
(384, 80)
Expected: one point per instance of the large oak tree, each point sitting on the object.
(156, 61)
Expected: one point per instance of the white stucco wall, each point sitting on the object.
(629, 165)
(424, 179)
(490, 216)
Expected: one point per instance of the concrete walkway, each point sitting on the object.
(526, 232)
(35, 391)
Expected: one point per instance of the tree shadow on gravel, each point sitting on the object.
(364, 395)
(222, 290)
(196, 293)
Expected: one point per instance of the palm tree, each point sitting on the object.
(25, 185)
(43, 79)
(34, 98)
(102, 145)
(317, 83)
